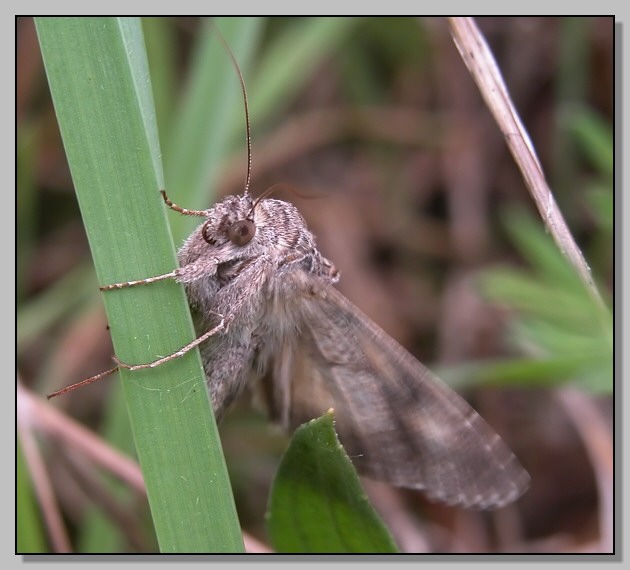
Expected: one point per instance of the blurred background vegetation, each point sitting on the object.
(401, 172)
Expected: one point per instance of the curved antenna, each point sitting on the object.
(246, 103)
(275, 188)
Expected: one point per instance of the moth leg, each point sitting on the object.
(153, 364)
(177, 354)
(185, 274)
(171, 275)
(85, 382)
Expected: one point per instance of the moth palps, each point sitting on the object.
(266, 306)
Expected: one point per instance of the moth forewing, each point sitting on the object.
(398, 422)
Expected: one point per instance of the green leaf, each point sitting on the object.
(317, 503)
(556, 320)
(593, 371)
(594, 135)
(99, 79)
(602, 202)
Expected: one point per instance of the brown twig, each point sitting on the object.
(482, 66)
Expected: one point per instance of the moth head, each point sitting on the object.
(233, 224)
(230, 224)
(240, 232)
(242, 228)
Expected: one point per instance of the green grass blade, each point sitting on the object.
(161, 45)
(289, 61)
(98, 75)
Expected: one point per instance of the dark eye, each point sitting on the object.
(242, 232)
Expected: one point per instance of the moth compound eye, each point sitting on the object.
(242, 232)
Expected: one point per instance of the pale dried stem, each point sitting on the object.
(482, 66)
(120, 511)
(36, 414)
(33, 412)
(597, 438)
(254, 546)
(41, 482)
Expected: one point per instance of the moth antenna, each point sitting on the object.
(248, 129)
(182, 211)
(262, 196)
(275, 188)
